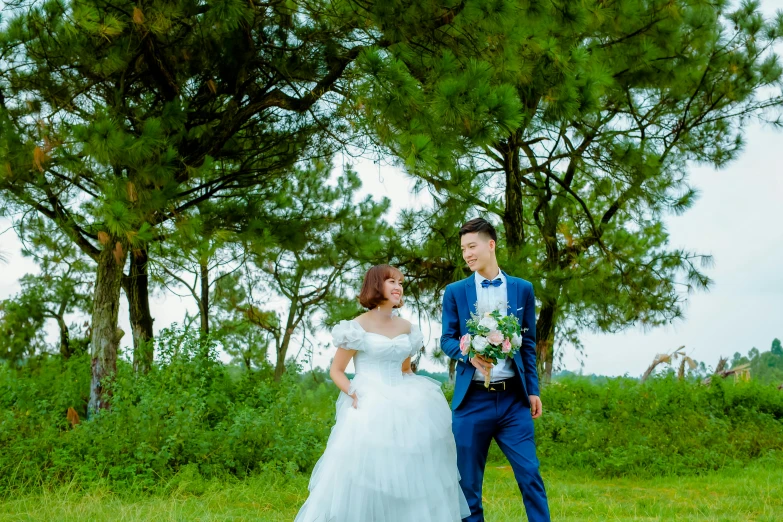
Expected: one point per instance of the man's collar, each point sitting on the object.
(500, 275)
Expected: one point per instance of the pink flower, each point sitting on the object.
(495, 337)
(506, 346)
(464, 344)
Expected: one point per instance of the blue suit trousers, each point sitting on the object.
(485, 415)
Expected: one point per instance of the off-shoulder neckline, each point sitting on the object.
(354, 321)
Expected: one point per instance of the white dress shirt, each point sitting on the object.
(494, 298)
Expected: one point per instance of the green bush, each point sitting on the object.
(617, 426)
(193, 418)
(188, 411)
(662, 427)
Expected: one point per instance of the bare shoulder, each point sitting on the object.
(361, 318)
(402, 322)
(404, 326)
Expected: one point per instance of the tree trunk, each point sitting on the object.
(513, 215)
(452, 371)
(204, 303)
(513, 221)
(136, 287)
(547, 316)
(282, 347)
(65, 338)
(106, 334)
(282, 350)
(545, 340)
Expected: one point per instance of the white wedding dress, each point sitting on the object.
(392, 459)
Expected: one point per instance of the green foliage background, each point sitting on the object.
(193, 416)
(176, 132)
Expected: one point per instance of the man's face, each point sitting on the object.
(477, 250)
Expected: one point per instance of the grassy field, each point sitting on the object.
(753, 494)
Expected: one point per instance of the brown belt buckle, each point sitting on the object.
(498, 386)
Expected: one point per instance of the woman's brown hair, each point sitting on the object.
(372, 288)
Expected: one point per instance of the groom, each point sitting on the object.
(506, 410)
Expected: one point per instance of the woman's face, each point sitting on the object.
(392, 290)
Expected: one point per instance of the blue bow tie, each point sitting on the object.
(495, 282)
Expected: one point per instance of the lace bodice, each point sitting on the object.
(377, 355)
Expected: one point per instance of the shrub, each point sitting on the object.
(662, 427)
(192, 419)
(188, 411)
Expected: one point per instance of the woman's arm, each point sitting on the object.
(337, 372)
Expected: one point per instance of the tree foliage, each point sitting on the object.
(765, 367)
(155, 135)
(572, 125)
(307, 244)
(61, 287)
(118, 117)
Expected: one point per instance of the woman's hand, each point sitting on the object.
(355, 400)
(337, 372)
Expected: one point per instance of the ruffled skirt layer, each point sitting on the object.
(393, 459)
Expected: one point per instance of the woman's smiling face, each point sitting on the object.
(392, 290)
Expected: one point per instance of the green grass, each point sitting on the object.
(752, 494)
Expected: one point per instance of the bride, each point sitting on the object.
(391, 455)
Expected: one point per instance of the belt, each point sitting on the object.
(505, 385)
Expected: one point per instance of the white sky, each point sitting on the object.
(738, 220)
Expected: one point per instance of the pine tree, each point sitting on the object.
(572, 125)
(200, 251)
(118, 117)
(241, 328)
(776, 348)
(61, 286)
(308, 244)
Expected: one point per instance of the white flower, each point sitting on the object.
(516, 341)
(480, 343)
(489, 322)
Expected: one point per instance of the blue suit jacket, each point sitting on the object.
(459, 300)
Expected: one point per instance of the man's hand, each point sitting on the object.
(535, 406)
(482, 365)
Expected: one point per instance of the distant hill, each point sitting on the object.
(565, 374)
(438, 376)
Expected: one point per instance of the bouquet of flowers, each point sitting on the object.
(493, 336)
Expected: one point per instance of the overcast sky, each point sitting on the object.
(738, 220)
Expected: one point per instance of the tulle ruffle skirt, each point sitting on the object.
(393, 459)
